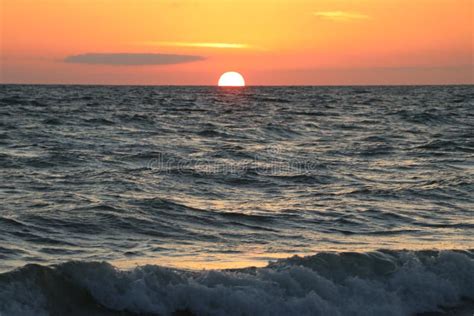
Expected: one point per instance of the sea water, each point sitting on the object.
(140, 199)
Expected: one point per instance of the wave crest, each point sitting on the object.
(375, 283)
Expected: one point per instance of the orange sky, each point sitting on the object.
(283, 42)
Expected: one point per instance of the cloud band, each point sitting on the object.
(131, 59)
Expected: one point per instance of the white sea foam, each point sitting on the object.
(377, 283)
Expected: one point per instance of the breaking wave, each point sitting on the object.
(376, 283)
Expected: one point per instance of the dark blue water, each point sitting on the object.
(203, 177)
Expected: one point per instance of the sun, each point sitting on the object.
(231, 79)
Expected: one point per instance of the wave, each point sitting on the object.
(376, 283)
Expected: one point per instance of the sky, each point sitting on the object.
(270, 42)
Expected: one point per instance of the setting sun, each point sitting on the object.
(231, 79)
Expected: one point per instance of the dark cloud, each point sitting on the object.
(125, 59)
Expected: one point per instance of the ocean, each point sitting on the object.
(141, 200)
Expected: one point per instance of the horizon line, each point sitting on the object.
(246, 86)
